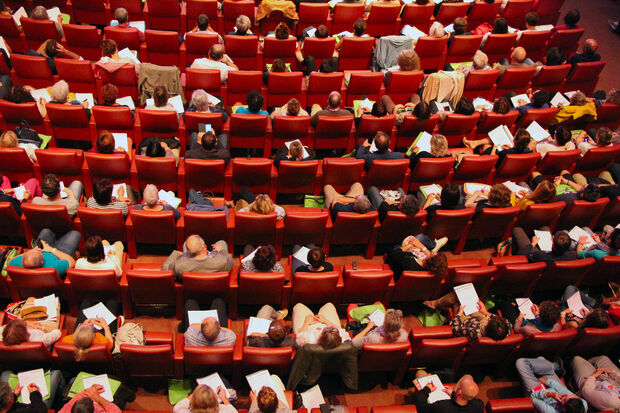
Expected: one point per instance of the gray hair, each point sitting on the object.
(39, 13)
(60, 91)
(200, 100)
(436, 30)
(121, 15)
(6, 395)
(150, 195)
(243, 23)
(481, 60)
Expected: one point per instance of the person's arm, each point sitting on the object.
(538, 399)
(420, 399)
(182, 406)
(365, 331)
(472, 201)
(308, 321)
(106, 329)
(429, 200)
(64, 52)
(226, 60)
(36, 400)
(59, 254)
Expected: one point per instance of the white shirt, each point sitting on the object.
(313, 332)
(205, 63)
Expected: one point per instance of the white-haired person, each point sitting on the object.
(59, 92)
(242, 26)
(200, 103)
(204, 400)
(150, 196)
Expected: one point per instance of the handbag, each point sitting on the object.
(25, 134)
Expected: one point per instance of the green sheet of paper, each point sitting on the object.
(178, 390)
(45, 140)
(415, 142)
(14, 381)
(455, 66)
(78, 384)
(65, 18)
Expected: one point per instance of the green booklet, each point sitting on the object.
(455, 66)
(14, 381)
(78, 384)
(178, 390)
(423, 142)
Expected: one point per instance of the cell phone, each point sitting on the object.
(354, 265)
(204, 127)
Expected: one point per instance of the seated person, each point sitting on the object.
(498, 197)
(518, 58)
(160, 100)
(382, 143)
(480, 61)
(150, 195)
(218, 60)
(333, 109)
(567, 190)
(589, 317)
(19, 331)
(602, 139)
(390, 332)
(462, 398)
(295, 152)
(608, 244)
(242, 26)
(102, 197)
(377, 110)
(278, 66)
(560, 250)
(316, 260)
(206, 145)
(9, 402)
(439, 149)
(211, 332)
(255, 103)
(291, 108)
(203, 27)
(407, 61)
(264, 260)
(418, 253)
(559, 141)
(7, 192)
(156, 147)
(579, 106)
(247, 201)
(322, 329)
(450, 199)
(204, 399)
(598, 381)
(90, 400)
(543, 194)
(9, 139)
(85, 335)
(50, 186)
(396, 200)
(109, 94)
(50, 252)
(547, 317)
(277, 335)
(460, 29)
(98, 259)
(106, 144)
(59, 93)
(359, 30)
(266, 401)
(522, 142)
(198, 201)
(463, 107)
(538, 100)
(110, 57)
(200, 103)
(353, 201)
(51, 49)
(40, 13)
(588, 54)
(571, 18)
(196, 257)
(122, 17)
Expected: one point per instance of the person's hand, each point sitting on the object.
(252, 397)
(217, 247)
(583, 239)
(221, 393)
(46, 247)
(161, 201)
(94, 390)
(461, 310)
(68, 192)
(59, 47)
(448, 389)
(33, 387)
(101, 321)
(229, 204)
(18, 389)
(120, 192)
(26, 195)
(366, 144)
(535, 240)
(370, 325)
(322, 319)
(495, 65)
(85, 103)
(59, 20)
(431, 387)
(522, 193)
(482, 308)
(596, 238)
(584, 312)
(535, 310)
(165, 146)
(598, 372)
(309, 319)
(566, 312)
(415, 149)
(9, 191)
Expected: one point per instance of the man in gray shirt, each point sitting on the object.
(197, 258)
(50, 186)
(212, 332)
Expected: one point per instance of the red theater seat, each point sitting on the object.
(582, 214)
(165, 15)
(70, 124)
(13, 37)
(388, 357)
(243, 50)
(540, 215)
(320, 49)
(488, 351)
(311, 288)
(584, 76)
(38, 31)
(249, 131)
(450, 11)
(277, 360)
(475, 168)
(351, 228)
(124, 79)
(432, 52)
(462, 48)
(341, 173)
(388, 174)
(451, 224)
(416, 286)
(35, 282)
(66, 164)
(356, 52)
(124, 37)
(150, 227)
(15, 164)
(397, 226)
(491, 223)
(365, 286)
(566, 39)
(78, 74)
(203, 175)
(556, 161)
(312, 14)
(402, 84)
(561, 274)
(516, 278)
(204, 287)
(547, 345)
(320, 85)
(299, 177)
(149, 288)
(161, 172)
(515, 79)
(551, 78)
(54, 217)
(481, 83)
(256, 229)
(411, 128)
(231, 9)
(280, 49)
(109, 224)
(334, 132)
(205, 79)
(364, 84)
(344, 15)
(456, 127)
(208, 7)
(162, 123)
(516, 167)
(420, 16)
(535, 43)
(522, 405)
(83, 39)
(257, 174)
(482, 12)
(284, 87)
(93, 285)
(32, 70)
(383, 20)
(211, 226)
(24, 356)
(596, 160)
(98, 358)
(498, 46)
(162, 48)
(307, 227)
(515, 10)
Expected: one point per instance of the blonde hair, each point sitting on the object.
(436, 30)
(408, 60)
(204, 400)
(439, 145)
(578, 99)
(262, 205)
(392, 324)
(9, 139)
(60, 91)
(83, 338)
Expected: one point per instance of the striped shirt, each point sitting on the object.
(92, 203)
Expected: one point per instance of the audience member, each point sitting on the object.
(9, 139)
(51, 49)
(439, 149)
(390, 332)
(449, 199)
(103, 198)
(254, 102)
(201, 103)
(598, 381)
(205, 145)
(588, 53)
(90, 400)
(211, 332)
(323, 328)
(156, 147)
(381, 142)
(262, 204)
(396, 200)
(418, 253)
(49, 252)
(203, 27)
(40, 13)
(315, 258)
(353, 201)
(122, 17)
(97, 258)
(242, 26)
(203, 399)
(218, 59)
(277, 334)
(160, 100)
(296, 151)
(333, 108)
(263, 260)
(560, 250)
(559, 141)
(580, 106)
(152, 202)
(462, 398)
(196, 257)
(18, 331)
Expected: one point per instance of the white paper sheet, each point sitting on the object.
(468, 297)
(471, 187)
(63, 194)
(262, 378)
(19, 192)
(4, 47)
(511, 29)
(21, 12)
(537, 132)
(288, 146)
(501, 136)
(302, 255)
(249, 257)
(127, 101)
(377, 317)
(575, 304)
(99, 310)
(120, 141)
(50, 302)
(212, 99)
(571, 93)
(515, 100)
(86, 96)
(482, 105)
(310, 32)
(103, 381)
(41, 93)
(431, 189)
(177, 102)
(366, 104)
(196, 317)
(577, 233)
(373, 147)
(545, 240)
(449, 28)
(444, 106)
(169, 197)
(115, 189)
(53, 13)
(525, 307)
(436, 395)
(544, 27)
(213, 381)
(345, 34)
(140, 25)
(258, 325)
(36, 377)
(126, 53)
(412, 32)
(313, 398)
(424, 141)
(515, 189)
(559, 98)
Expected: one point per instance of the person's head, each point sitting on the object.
(518, 55)
(499, 196)
(359, 27)
(84, 405)
(9, 139)
(60, 91)
(94, 249)
(362, 204)
(265, 258)
(243, 24)
(596, 319)
(382, 142)
(497, 328)
(15, 332)
(39, 13)
(334, 100)
(50, 186)
(150, 195)
(439, 145)
(378, 109)
(316, 257)
(531, 19)
(267, 400)
(102, 191)
(392, 324)
(501, 105)
(408, 60)
(262, 205)
(278, 66)
(200, 100)
(108, 47)
(613, 97)
(155, 150)
(7, 396)
(554, 57)
(603, 136)
(51, 48)
(481, 60)
(590, 193)
(216, 52)
(500, 26)
(210, 328)
(562, 135)
(202, 21)
(590, 46)
(32, 259)
(549, 311)
(436, 30)
(204, 400)
(571, 403)
(522, 139)
(255, 101)
(329, 338)
(208, 141)
(83, 338)
(409, 205)
(296, 150)
(571, 18)
(293, 107)
(539, 98)
(578, 99)
(195, 245)
(121, 15)
(614, 239)
(321, 32)
(160, 96)
(464, 106)
(329, 65)
(422, 110)
(543, 194)
(276, 332)
(282, 31)
(465, 390)
(450, 195)
(19, 94)
(437, 263)
(109, 94)
(460, 25)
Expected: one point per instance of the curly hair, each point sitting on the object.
(437, 264)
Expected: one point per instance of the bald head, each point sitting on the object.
(210, 328)
(590, 46)
(334, 99)
(195, 246)
(518, 55)
(217, 52)
(32, 258)
(466, 389)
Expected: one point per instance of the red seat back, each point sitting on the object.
(85, 40)
(539, 215)
(242, 49)
(561, 274)
(314, 288)
(286, 128)
(411, 128)
(66, 164)
(306, 228)
(547, 345)
(11, 35)
(597, 160)
(447, 223)
(248, 131)
(364, 84)
(162, 47)
(255, 229)
(284, 87)
(320, 85)
(566, 39)
(521, 405)
(279, 49)
(485, 350)
(151, 287)
(153, 227)
(297, 176)
(12, 225)
(432, 52)
(95, 285)
(384, 356)
(133, 7)
(261, 288)
(203, 287)
(498, 46)
(199, 361)
(124, 79)
(54, 217)
(584, 76)
(97, 359)
(582, 214)
(161, 123)
(480, 277)
(596, 341)
(607, 114)
(365, 286)
(312, 14)
(151, 360)
(32, 70)
(113, 119)
(344, 15)
(355, 53)
(388, 174)
(253, 173)
(162, 172)
(515, 79)
(231, 9)
(36, 282)
(493, 223)
(24, 356)
(334, 132)
(516, 167)
(341, 173)
(416, 286)
(551, 78)
(474, 169)
(15, 164)
(418, 15)
(515, 10)
(438, 352)
(38, 31)
(535, 43)
(517, 278)
(456, 127)
(482, 12)
(319, 48)
(204, 175)
(403, 84)
(450, 11)
(277, 360)
(123, 36)
(383, 19)
(353, 228)
(480, 83)
(78, 74)
(211, 226)
(369, 125)
(164, 15)
(555, 162)
(462, 48)
(397, 226)
(198, 7)
(205, 79)
(113, 166)
(109, 224)
(69, 122)
(548, 11)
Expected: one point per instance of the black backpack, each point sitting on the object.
(27, 135)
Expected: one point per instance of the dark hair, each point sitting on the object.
(255, 101)
(276, 332)
(590, 193)
(94, 249)
(84, 405)
(574, 406)
(15, 332)
(603, 136)
(321, 32)
(422, 110)
(614, 239)
(499, 196)
(216, 52)
(359, 27)
(160, 96)
(19, 94)
(50, 185)
(208, 141)
(464, 107)
(278, 65)
(409, 205)
(382, 142)
(329, 338)
(316, 257)
(572, 17)
(378, 109)
(109, 94)
(155, 150)
(500, 26)
(437, 264)
(105, 142)
(102, 191)
(50, 48)
(549, 312)
(522, 139)
(267, 400)
(501, 105)
(561, 243)
(450, 195)
(539, 98)
(329, 65)
(202, 21)
(264, 259)
(6, 395)
(460, 25)
(596, 319)
(532, 18)
(562, 135)
(497, 328)
(282, 31)
(108, 47)
(554, 57)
